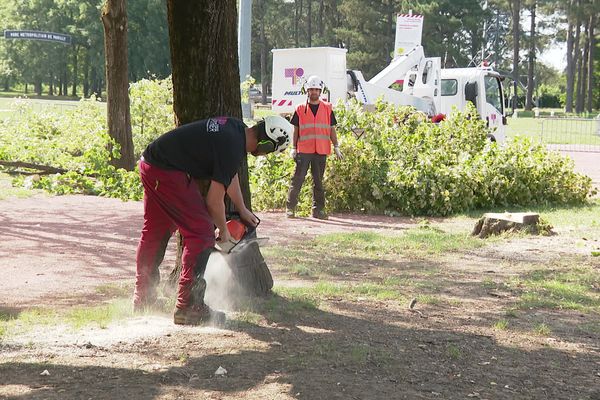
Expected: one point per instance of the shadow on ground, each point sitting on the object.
(355, 352)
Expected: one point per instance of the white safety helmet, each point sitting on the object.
(314, 82)
(280, 131)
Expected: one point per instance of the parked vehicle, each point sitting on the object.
(410, 79)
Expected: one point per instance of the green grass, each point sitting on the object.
(311, 296)
(76, 317)
(569, 288)
(501, 325)
(592, 328)
(7, 190)
(428, 299)
(115, 290)
(101, 315)
(542, 330)
(248, 317)
(346, 254)
(511, 313)
(417, 241)
(453, 351)
(586, 216)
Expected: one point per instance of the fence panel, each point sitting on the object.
(571, 134)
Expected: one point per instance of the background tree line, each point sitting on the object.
(509, 33)
(78, 69)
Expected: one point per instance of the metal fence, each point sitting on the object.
(40, 106)
(570, 134)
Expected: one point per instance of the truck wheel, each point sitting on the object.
(491, 138)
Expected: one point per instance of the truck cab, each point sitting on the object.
(481, 86)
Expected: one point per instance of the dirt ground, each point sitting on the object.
(55, 252)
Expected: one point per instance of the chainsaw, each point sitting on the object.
(242, 234)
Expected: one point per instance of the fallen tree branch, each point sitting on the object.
(44, 169)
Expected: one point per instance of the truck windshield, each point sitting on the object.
(493, 92)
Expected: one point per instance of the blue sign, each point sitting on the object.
(37, 35)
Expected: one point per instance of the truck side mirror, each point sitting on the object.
(471, 92)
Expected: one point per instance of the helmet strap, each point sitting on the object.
(265, 146)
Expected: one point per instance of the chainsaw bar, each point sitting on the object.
(243, 243)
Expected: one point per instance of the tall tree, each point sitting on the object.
(114, 20)
(531, 59)
(582, 71)
(206, 83)
(298, 13)
(516, 30)
(263, 50)
(591, 60)
(573, 30)
(309, 22)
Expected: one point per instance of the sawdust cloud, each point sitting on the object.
(223, 292)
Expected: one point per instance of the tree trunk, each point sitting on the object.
(263, 62)
(38, 86)
(206, 83)
(582, 73)
(298, 11)
(570, 65)
(51, 86)
(390, 29)
(531, 63)
(516, 12)
(66, 82)
(309, 22)
(86, 74)
(114, 20)
(590, 66)
(578, 60)
(75, 71)
(321, 24)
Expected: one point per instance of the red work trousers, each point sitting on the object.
(171, 201)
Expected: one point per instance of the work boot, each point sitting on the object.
(320, 214)
(290, 213)
(198, 315)
(150, 305)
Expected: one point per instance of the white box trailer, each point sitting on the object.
(292, 67)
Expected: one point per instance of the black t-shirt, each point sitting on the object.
(314, 108)
(208, 149)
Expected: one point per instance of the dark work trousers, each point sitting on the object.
(317, 163)
(171, 201)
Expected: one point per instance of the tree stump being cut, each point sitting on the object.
(251, 275)
(495, 223)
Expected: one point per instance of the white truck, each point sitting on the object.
(291, 68)
(410, 79)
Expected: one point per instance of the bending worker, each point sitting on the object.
(314, 131)
(211, 149)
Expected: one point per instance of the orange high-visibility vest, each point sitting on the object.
(314, 130)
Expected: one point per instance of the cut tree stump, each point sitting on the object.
(495, 223)
(251, 275)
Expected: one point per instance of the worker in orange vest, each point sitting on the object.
(314, 132)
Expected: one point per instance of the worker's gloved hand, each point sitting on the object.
(224, 242)
(224, 246)
(293, 152)
(338, 153)
(248, 217)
